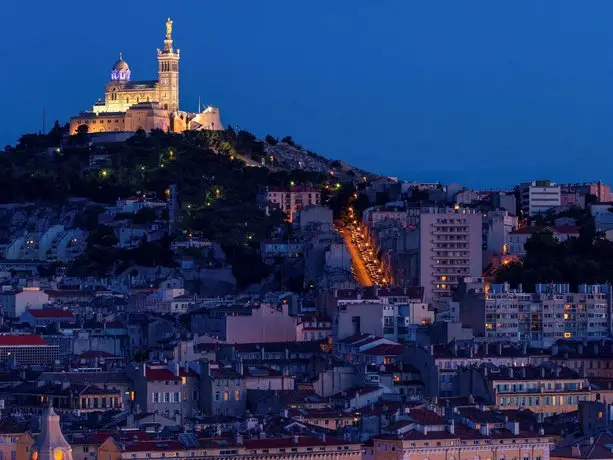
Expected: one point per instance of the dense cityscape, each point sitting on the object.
(173, 286)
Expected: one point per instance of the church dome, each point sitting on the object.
(121, 70)
(121, 65)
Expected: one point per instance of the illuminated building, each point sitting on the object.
(450, 249)
(292, 200)
(50, 444)
(130, 105)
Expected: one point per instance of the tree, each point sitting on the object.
(288, 140)
(271, 140)
(144, 216)
(82, 130)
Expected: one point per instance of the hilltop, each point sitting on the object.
(218, 175)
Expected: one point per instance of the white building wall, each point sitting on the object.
(450, 249)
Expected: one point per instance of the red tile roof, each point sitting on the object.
(50, 313)
(153, 446)
(16, 340)
(385, 349)
(289, 442)
(154, 375)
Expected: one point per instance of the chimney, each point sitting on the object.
(558, 371)
(487, 349)
(522, 372)
(451, 427)
(542, 372)
(499, 348)
(295, 440)
(510, 372)
(485, 429)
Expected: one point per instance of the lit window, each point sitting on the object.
(226, 395)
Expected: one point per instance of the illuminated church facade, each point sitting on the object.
(130, 105)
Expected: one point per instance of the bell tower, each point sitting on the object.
(50, 443)
(168, 72)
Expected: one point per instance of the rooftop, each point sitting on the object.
(21, 340)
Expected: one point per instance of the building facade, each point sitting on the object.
(450, 248)
(547, 315)
(292, 200)
(539, 196)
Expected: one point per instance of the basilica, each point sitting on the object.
(130, 105)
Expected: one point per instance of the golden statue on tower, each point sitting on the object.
(168, 28)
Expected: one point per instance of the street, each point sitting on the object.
(361, 273)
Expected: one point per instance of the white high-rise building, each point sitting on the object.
(539, 196)
(450, 249)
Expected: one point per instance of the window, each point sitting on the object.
(226, 395)
(237, 395)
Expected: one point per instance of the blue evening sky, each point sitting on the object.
(488, 93)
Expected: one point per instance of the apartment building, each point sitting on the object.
(425, 434)
(450, 248)
(542, 389)
(14, 303)
(438, 364)
(392, 321)
(539, 196)
(298, 447)
(291, 200)
(166, 389)
(27, 349)
(547, 315)
(223, 389)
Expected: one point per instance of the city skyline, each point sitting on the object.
(403, 90)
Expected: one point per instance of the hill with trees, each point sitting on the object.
(213, 170)
(586, 259)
